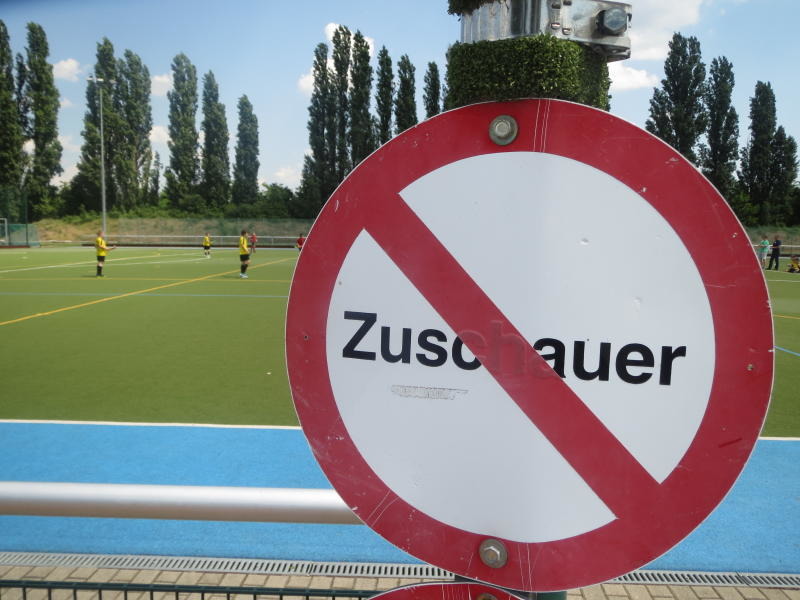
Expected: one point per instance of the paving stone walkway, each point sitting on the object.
(606, 591)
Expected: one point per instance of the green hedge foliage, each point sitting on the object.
(459, 7)
(540, 66)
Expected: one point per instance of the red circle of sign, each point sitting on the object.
(656, 518)
(446, 591)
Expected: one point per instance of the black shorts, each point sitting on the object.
(244, 257)
(206, 247)
(101, 259)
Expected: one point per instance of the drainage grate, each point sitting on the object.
(763, 580)
(223, 565)
(411, 571)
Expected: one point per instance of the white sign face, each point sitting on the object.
(591, 275)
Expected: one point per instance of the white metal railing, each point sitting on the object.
(182, 502)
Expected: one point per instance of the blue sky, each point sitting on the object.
(264, 48)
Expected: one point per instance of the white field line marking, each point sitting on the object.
(212, 425)
(135, 424)
(787, 351)
(159, 262)
(87, 262)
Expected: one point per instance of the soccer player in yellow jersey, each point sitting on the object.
(102, 249)
(244, 254)
(207, 245)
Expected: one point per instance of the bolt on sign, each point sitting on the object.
(530, 344)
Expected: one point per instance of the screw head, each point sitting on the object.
(493, 553)
(503, 130)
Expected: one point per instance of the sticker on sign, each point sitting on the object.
(530, 343)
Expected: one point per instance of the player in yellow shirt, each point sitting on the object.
(244, 254)
(101, 248)
(207, 245)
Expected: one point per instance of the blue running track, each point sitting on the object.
(756, 529)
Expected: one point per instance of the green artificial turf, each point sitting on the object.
(783, 418)
(184, 340)
(170, 337)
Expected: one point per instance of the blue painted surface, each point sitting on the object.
(756, 529)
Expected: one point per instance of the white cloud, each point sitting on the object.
(624, 78)
(654, 22)
(159, 134)
(288, 176)
(330, 29)
(306, 83)
(69, 172)
(68, 69)
(161, 84)
(67, 143)
(371, 43)
(66, 102)
(28, 147)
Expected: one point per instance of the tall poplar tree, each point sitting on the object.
(245, 172)
(783, 174)
(43, 96)
(216, 179)
(182, 174)
(11, 155)
(756, 157)
(432, 92)
(384, 96)
(361, 136)
(677, 113)
(85, 190)
(133, 159)
(341, 65)
(317, 179)
(405, 104)
(719, 154)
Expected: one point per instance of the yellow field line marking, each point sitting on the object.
(2, 279)
(785, 316)
(128, 294)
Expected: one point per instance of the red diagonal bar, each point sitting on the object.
(581, 438)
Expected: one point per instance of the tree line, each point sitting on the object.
(693, 112)
(198, 177)
(342, 131)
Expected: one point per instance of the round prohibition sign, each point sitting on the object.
(557, 348)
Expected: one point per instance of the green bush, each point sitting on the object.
(540, 66)
(459, 7)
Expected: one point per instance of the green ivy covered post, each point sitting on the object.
(535, 49)
(514, 49)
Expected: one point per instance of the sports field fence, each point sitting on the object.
(275, 233)
(17, 235)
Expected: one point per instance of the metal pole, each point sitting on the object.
(203, 503)
(27, 241)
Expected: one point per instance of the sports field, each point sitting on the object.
(168, 336)
(164, 336)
